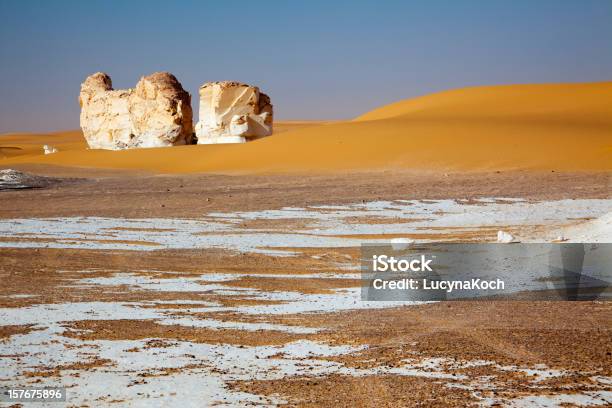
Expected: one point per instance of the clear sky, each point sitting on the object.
(316, 59)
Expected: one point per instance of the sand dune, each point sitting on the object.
(540, 127)
(31, 144)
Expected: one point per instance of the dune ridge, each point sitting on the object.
(565, 102)
(562, 127)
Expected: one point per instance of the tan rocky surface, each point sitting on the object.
(132, 194)
(233, 112)
(437, 354)
(156, 113)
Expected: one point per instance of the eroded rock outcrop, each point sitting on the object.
(156, 113)
(12, 180)
(233, 112)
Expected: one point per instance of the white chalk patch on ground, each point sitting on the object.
(326, 226)
(182, 284)
(132, 378)
(293, 301)
(539, 372)
(206, 367)
(587, 399)
(216, 324)
(197, 362)
(59, 313)
(596, 230)
(430, 368)
(19, 296)
(296, 302)
(55, 313)
(229, 277)
(130, 375)
(137, 372)
(179, 302)
(602, 380)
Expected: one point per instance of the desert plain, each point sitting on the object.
(228, 275)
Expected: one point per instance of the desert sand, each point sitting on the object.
(561, 127)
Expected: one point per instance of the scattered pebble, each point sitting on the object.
(504, 237)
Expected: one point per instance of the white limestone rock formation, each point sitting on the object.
(156, 113)
(233, 112)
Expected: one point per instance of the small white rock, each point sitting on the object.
(399, 244)
(49, 149)
(504, 237)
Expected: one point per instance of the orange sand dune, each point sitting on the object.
(31, 144)
(540, 127)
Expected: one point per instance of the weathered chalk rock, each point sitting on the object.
(401, 244)
(233, 112)
(156, 113)
(504, 237)
(12, 179)
(49, 149)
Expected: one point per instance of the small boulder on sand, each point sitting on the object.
(504, 237)
(400, 244)
(49, 149)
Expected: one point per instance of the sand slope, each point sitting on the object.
(542, 127)
(31, 144)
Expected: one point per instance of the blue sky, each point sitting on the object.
(316, 59)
